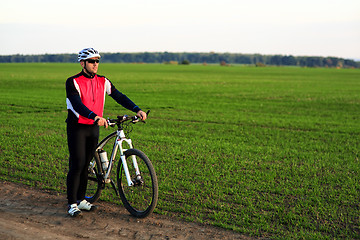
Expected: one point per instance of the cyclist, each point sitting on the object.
(85, 98)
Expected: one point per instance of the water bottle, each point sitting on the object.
(104, 159)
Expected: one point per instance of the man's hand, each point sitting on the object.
(142, 115)
(101, 121)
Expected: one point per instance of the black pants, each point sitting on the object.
(82, 141)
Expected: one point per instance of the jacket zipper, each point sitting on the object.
(92, 89)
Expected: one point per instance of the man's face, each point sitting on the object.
(91, 65)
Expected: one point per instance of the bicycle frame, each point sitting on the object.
(118, 145)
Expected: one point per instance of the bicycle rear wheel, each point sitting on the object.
(140, 199)
(94, 184)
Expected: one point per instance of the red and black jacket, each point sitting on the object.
(85, 97)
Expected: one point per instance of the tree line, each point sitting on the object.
(187, 58)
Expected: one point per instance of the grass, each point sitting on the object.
(270, 152)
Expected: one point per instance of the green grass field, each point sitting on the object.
(271, 152)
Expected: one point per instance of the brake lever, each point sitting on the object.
(137, 119)
(110, 124)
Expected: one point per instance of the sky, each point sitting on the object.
(286, 27)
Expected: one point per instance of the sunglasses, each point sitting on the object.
(93, 60)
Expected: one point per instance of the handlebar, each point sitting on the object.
(122, 119)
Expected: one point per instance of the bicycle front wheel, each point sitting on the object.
(141, 197)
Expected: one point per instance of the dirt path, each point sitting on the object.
(28, 213)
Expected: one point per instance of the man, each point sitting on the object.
(85, 98)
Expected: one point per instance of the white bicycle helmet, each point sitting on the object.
(87, 53)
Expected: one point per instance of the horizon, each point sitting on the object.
(357, 60)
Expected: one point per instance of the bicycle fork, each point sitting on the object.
(119, 142)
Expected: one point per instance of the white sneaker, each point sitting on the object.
(85, 205)
(73, 210)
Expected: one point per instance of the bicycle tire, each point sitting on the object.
(139, 199)
(94, 183)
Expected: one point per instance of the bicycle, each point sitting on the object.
(136, 179)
